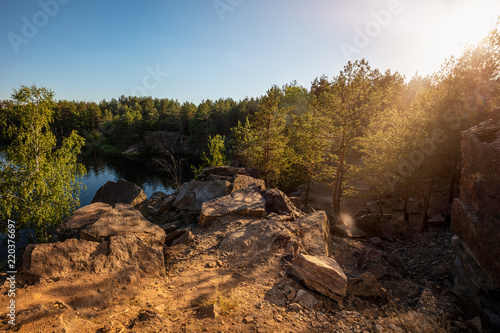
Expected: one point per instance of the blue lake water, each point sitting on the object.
(141, 171)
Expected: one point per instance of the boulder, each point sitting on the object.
(305, 299)
(374, 226)
(123, 220)
(115, 255)
(366, 285)
(321, 274)
(247, 201)
(111, 240)
(278, 202)
(242, 181)
(314, 231)
(192, 195)
(225, 171)
(80, 219)
(122, 192)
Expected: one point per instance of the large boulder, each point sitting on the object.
(99, 238)
(476, 220)
(321, 274)
(242, 181)
(374, 226)
(247, 201)
(314, 233)
(192, 195)
(122, 192)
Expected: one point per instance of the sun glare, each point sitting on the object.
(457, 27)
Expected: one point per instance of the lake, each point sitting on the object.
(142, 171)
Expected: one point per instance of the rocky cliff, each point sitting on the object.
(476, 221)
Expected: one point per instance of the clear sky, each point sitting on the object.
(205, 49)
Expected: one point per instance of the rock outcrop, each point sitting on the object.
(123, 192)
(99, 238)
(476, 219)
(192, 195)
(246, 202)
(241, 181)
(161, 141)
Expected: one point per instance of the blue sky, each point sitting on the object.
(192, 50)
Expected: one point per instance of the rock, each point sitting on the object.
(375, 241)
(366, 285)
(314, 231)
(185, 238)
(111, 239)
(122, 192)
(289, 292)
(121, 220)
(296, 202)
(209, 311)
(247, 201)
(225, 171)
(192, 195)
(241, 181)
(164, 205)
(248, 320)
(75, 255)
(83, 217)
(321, 274)
(295, 307)
(361, 212)
(277, 202)
(305, 299)
(374, 226)
(278, 318)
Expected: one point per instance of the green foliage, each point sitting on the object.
(39, 181)
(262, 141)
(217, 154)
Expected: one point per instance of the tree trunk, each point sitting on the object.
(308, 188)
(424, 227)
(337, 190)
(406, 215)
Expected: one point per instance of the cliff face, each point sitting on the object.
(476, 215)
(161, 141)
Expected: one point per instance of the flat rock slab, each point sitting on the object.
(321, 274)
(192, 195)
(98, 222)
(247, 201)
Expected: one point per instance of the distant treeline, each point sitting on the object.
(122, 122)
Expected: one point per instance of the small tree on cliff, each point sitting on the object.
(217, 154)
(39, 181)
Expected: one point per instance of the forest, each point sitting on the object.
(400, 136)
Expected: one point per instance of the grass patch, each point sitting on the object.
(224, 303)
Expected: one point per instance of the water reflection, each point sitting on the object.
(141, 171)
